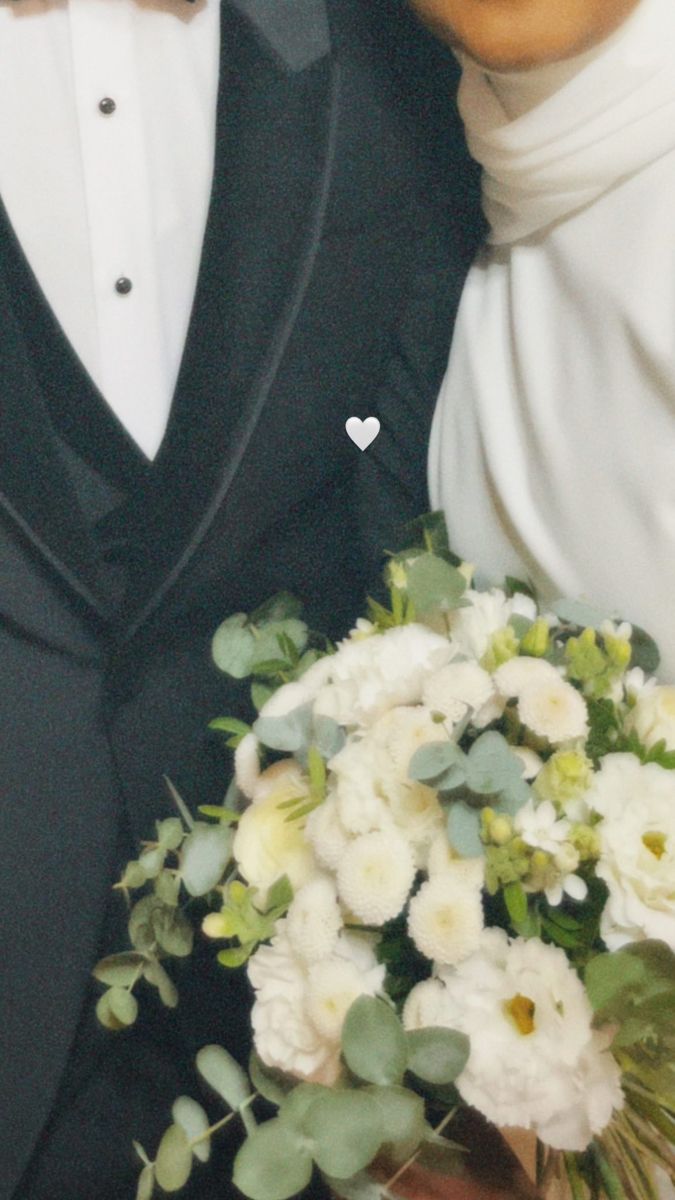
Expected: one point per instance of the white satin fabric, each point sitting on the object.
(553, 444)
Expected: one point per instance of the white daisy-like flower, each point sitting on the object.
(247, 765)
(637, 849)
(540, 827)
(314, 920)
(535, 1060)
(520, 672)
(445, 918)
(326, 834)
(554, 710)
(375, 876)
(461, 687)
(485, 614)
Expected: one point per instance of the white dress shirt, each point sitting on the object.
(106, 195)
(553, 447)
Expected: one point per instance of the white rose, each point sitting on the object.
(653, 718)
(637, 849)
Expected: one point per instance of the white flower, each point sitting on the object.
(247, 765)
(461, 687)
(314, 920)
(653, 718)
(424, 1006)
(370, 675)
(326, 834)
(473, 627)
(637, 849)
(286, 699)
(441, 855)
(357, 771)
(636, 683)
(540, 827)
(535, 1060)
(375, 876)
(518, 673)
(266, 844)
(445, 918)
(299, 1008)
(531, 761)
(554, 710)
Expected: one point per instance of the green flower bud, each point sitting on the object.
(537, 639)
(586, 842)
(619, 652)
(566, 775)
(502, 647)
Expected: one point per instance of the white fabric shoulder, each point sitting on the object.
(613, 117)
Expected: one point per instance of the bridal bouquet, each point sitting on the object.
(447, 862)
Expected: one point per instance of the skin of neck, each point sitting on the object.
(515, 34)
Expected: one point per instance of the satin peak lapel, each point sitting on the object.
(296, 30)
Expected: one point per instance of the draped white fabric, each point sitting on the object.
(553, 445)
(613, 117)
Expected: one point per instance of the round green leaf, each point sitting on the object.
(346, 1131)
(297, 1103)
(233, 647)
(173, 931)
(492, 765)
(267, 645)
(170, 833)
(152, 861)
(273, 1085)
(192, 1118)
(401, 1114)
(274, 1163)
(123, 1006)
(291, 733)
(174, 1159)
(146, 1184)
(119, 970)
(167, 888)
(437, 1055)
(157, 977)
(464, 830)
(373, 1041)
(432, 584)
(204, 857)
(223, 1073)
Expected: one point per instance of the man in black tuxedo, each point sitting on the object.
(340, 179)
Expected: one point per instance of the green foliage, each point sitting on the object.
(346, 1131)
(173, 1164)
(146, 1183)
(429, 532)
(244, 921)
(274, 1163)
(271, 1084)
(634, 988)
(195, 1123)
(157, 977)
(204, 857)
(464, 829)
(579, 614)
(373, 1043)
(516, 904)
(433, 585)
(223, 1073)
(289, 734)
(437, 1055)
(441, 765)
(402, 1115)
(645, 651)
(235, 729)
(117, 1008)
(120, 970)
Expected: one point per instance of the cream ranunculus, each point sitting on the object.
(267, 845)
(653, 718)
(637, 849)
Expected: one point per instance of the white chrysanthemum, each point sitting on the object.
(554, 710)
(289, 994)
(461, 687)
(247, 765)
(314, 920)
(486, 613)
(441, 855)
(370, 675)
(653, 717)
(326, 834)
(357, 772)
(424, 1006)
(637, 849)
(514, 676)
(535, 1060)
(376, 875)
(445, 918)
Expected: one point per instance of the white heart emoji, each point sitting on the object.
(361, 432)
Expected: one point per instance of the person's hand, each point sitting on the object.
(508, 34)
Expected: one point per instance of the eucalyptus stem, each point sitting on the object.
(413, 1157)
(203, 1137)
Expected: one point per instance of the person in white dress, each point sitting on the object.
(553, 443)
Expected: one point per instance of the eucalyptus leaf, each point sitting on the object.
(432, 585)
(191, 1117)
(645, 652)
(373, 1042)
(272, 1085)
(204, 857)
(134, 876)
(359, 1187)
(224, 1074)
(260, 694)
(437, 1055)
(492, 766)
(170, 833)
(119, 970)
(464, 830)
(141, 923)
(327, 736)
(174, 932)
(117, 1009)
(576, 612)
(233, 647)
(152, 861)
(173, 1164)
(146, 1184)
(298, 1102)
(280, 607)
(346, 1129)
(167, 888)
(274, 1163)
(157, 977)
(434, 759)
(402, 1114)
(291, 733)
(267, 641)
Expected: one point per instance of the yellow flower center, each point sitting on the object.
(521, 1011)
(655, 843)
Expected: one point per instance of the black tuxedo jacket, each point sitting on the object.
(341, 185)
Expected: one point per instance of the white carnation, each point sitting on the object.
(653, 717)
(463, 687)
(445, 918)
(370, 675)
(535, 1059)
(486, 613)
(375, 876)
(357, 773)
(554, 710)
(326, 834)
(424, 1006)
(314, 920)
(637, 849)
(334, 985)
